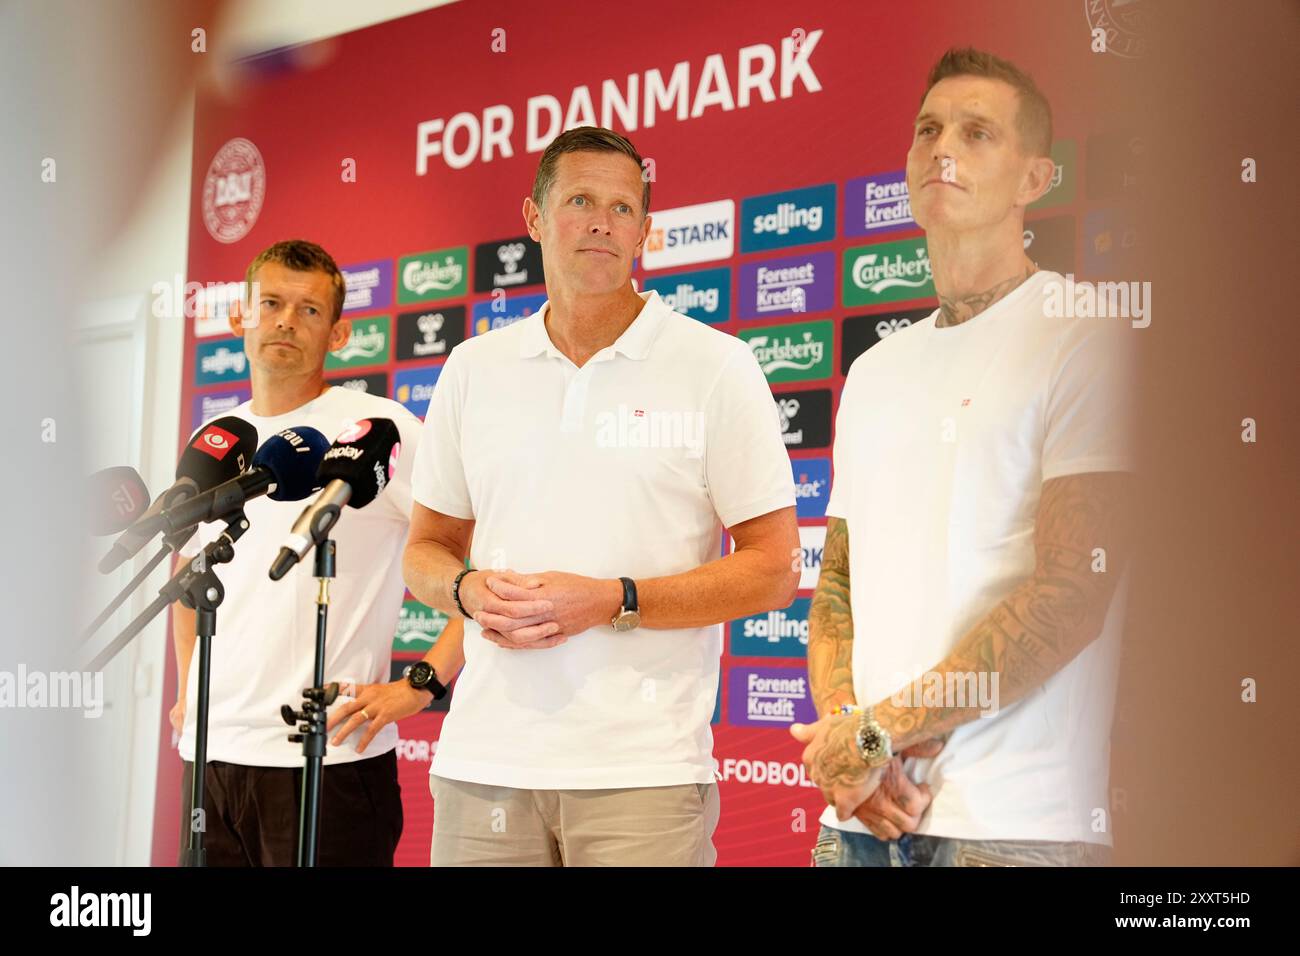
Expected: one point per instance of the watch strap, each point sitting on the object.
(629, 594)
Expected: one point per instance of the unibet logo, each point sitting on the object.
(788, 353)
(888, 272)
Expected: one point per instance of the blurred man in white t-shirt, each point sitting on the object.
(964, 631)
(595, 451)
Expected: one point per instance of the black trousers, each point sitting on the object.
(252, 813)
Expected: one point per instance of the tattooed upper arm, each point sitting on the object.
(1082, 546)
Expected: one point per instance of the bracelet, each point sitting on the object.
(455, 592)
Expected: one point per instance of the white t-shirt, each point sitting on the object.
(264, 648)
(944, 438)
(622, 468)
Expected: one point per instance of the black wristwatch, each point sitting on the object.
(628, 616)
(421, 676)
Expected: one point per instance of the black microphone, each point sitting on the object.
(353, 472)
(220, 451)
(284, 469)
(115, 497)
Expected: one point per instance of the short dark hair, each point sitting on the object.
(302, 256)
(594, 139)
(1033, 119)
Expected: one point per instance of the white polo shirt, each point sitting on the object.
(264, 649)
(943, 440)
(627, 467)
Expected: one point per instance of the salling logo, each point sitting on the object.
(421, 277)
(775, 626)
(234, 189)
(776, 353)
(789, 216)
(686, 297)
(223, 361)
(877, 273)
(367, 344)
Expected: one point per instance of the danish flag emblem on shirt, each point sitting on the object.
(639, 413)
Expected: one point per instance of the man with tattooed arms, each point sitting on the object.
(965, 627)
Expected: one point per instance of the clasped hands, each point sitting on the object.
(882, 798)
(533, 611)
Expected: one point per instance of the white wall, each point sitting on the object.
(137, 360)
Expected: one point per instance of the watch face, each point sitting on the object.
(420, 673)
(627, 620)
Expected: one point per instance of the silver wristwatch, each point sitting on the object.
(873, 740)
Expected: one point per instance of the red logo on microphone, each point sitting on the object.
(392, 460)
(215, 441)
(353, 432)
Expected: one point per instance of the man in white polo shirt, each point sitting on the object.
(976, 535)
(594, 451)
(263, 651)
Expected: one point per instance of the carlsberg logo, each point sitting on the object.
(876, 273)
(784, 352)
(363, 344)
(421, 277)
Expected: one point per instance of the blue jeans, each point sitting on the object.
(845, 848)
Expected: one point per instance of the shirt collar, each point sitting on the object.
(635, 342)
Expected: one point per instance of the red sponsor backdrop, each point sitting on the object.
(362, 96)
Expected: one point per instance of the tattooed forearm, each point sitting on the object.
(830, 624)
(1046, 621)
(954, 310)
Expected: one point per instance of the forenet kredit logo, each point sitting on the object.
(234, 190)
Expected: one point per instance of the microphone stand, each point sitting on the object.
(171, 542)
(315, 700)
(197, 586)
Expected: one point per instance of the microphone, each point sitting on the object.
(354, 472)
(284, 469)
(115, 497)
(219, 452)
